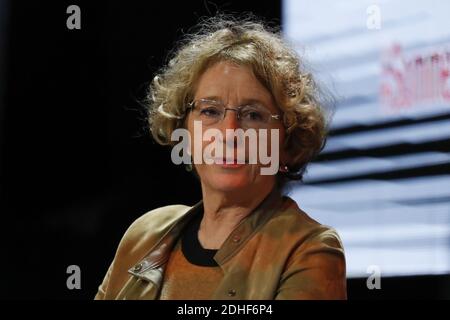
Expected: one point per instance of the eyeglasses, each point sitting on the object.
(211, 112)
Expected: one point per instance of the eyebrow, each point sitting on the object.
(246, 101)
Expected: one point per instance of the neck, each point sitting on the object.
(224, 210)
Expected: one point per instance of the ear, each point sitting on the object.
(293, 161)
(285, 158)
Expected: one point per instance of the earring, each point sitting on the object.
(188, 167)
(283, 169)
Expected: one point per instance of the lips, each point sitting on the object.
(230, 161)
(231, 165)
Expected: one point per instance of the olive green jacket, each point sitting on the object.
(276, 252)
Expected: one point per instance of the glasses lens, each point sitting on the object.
(209, 112)
(254, 116)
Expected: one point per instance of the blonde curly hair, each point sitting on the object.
(277, 66)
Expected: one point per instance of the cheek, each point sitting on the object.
(281, 136)
(273, 142)
(189, 125)
(283, 154)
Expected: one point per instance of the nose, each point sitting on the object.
(230, 120)
(228, 126)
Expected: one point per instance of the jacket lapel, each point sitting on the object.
(147, 275)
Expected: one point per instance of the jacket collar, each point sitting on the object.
(248, 227)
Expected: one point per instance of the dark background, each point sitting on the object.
(77, 165)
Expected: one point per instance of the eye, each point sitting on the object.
(252, 114)
(210, 111)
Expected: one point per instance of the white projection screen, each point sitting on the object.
(383, 179)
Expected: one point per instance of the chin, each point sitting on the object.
(231, 187)
(230, 181)
(230, 184)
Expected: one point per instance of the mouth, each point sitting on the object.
(230, 162)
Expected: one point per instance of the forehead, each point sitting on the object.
(231, 82)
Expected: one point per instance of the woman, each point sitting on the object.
(244, 240)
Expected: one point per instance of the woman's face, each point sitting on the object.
(234, 85)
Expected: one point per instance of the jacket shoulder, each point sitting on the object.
(140, 237)
(150, 226)
(293, 220)
(315, 267)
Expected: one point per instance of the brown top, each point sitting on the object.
(187, 281)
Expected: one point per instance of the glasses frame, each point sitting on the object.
(237, 109)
